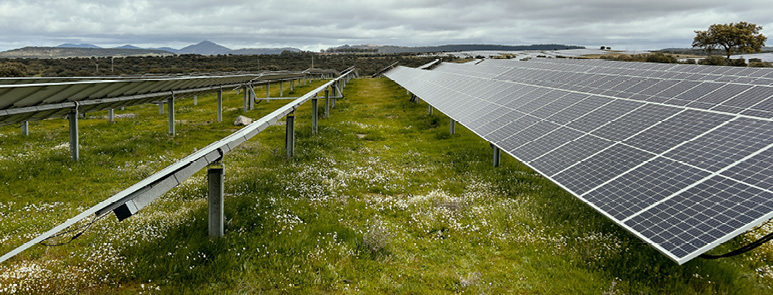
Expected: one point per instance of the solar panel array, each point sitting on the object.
(25, 99)
(678, 155)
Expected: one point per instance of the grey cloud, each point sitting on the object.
(313, 24)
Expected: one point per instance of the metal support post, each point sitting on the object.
(267, 94)
(220, 105)
(195, 100)
(452, 127)
(171, 115)
(496, 155)
(246, 99)
(110, 116)
(292, 84)
(25, 128)
(216, 180)
(252, 98)
(314, 115)
(429, 107)
(327, 103)
(160, 108)
(74, 134)
(290, 136)
(281, 90)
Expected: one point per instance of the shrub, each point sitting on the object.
(13, 69)
(660, 57)
(759, 64)
(377, 238)
(713, 60)
(738, 62)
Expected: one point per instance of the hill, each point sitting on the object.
(257, 51)
(82, 45)
(205, 48)
(64, 52)
(387, 49)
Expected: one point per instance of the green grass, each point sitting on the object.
(382, 200)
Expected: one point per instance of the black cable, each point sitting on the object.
(741, 250)
(82, 228)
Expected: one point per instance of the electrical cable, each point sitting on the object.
(82, 228)
(741, 250)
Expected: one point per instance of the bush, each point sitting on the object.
(13, 69)
(738, 62)
(660, 57)
(713, 60)
(377, 238)
(759, 64)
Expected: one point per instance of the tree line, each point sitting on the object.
(187, 64)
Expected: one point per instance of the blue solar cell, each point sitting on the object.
(601, 167)
(726, 144)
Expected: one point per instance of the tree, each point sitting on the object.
(13, 69)
(742, 37)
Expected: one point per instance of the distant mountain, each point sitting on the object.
(258, 51)
(205, 48)
(128, 46)
(448, 48)
(88, 50)
(71, 45)
(170, 49)
(62, 52)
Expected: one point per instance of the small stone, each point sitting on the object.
(242, 121)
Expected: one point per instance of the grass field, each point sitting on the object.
(382, 200)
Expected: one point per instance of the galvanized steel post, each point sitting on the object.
(496, 155)
(74, 134)
(429, 107)
(160, 108)
(216, 180)
(245, 97)
(314, 115)
(25, 128)
(110, 116)
(290, 136)
(281, 90)
(220, 105)
(327, 103)
(452, 127)
(252, 98)
(195, 100)
(171, 114)
(267, 94)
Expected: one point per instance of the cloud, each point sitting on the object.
(318, 24)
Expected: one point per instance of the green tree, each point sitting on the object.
(13, 69)
(739, 37)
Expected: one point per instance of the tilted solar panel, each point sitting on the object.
(683, 164)
(42, 98)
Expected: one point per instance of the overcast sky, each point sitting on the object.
(313, 25)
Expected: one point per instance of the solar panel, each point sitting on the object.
(679, 155)
(23, 99)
